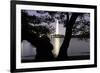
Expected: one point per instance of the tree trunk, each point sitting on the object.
(64, 48)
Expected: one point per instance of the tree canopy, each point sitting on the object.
(80, 28)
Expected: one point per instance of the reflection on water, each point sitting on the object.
(76, 48)
(56, 46)
(56, 41)
(79, 47)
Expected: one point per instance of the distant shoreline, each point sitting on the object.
(73, 36)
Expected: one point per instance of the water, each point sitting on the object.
(76, 48)
(79, 47)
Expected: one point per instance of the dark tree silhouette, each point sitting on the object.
(68, 33)
(33, 35)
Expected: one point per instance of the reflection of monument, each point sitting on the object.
(56, 40)
(57, 27)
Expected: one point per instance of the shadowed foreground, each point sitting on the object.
(86, 57)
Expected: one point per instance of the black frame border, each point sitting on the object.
(13, 35)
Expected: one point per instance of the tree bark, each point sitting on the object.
(64, 48)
